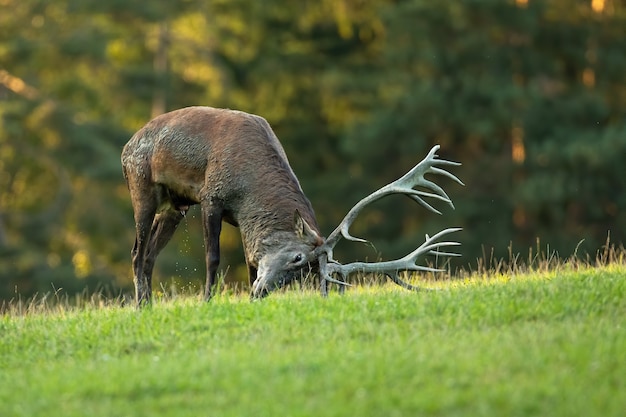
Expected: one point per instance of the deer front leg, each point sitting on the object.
(212, 226)
(252, 273)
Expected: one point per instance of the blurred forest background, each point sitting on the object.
(529, 95)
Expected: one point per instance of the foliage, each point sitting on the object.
(529, 95)
(538, 343)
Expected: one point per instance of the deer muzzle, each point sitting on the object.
(259, 290)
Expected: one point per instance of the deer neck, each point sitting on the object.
(269, 226)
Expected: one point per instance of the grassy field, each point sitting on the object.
(541, 344)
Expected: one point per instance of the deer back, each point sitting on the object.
(230, 159)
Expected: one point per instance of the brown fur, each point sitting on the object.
(232, 164)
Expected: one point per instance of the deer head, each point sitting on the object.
(284, 265)
(289, 255)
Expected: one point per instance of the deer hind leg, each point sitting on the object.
(212, 226)
(163, 228)
(144, 216)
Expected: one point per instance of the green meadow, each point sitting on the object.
(548, 343)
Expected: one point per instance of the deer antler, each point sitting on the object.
(404, 185)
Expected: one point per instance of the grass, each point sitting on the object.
(551, 342)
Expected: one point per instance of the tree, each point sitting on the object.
(528, 95)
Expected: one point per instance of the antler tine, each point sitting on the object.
(445, 173)
(396, 279)
(416, 197)
(404, 185)
(426, 165)
(415, 177)
(437, 253)
(430, 245)
(392, 268)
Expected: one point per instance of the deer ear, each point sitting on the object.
(304, 230)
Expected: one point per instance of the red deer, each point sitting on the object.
(232, 164)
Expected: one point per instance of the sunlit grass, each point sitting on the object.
(542, 340)
(539, 262)
(537, 337)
